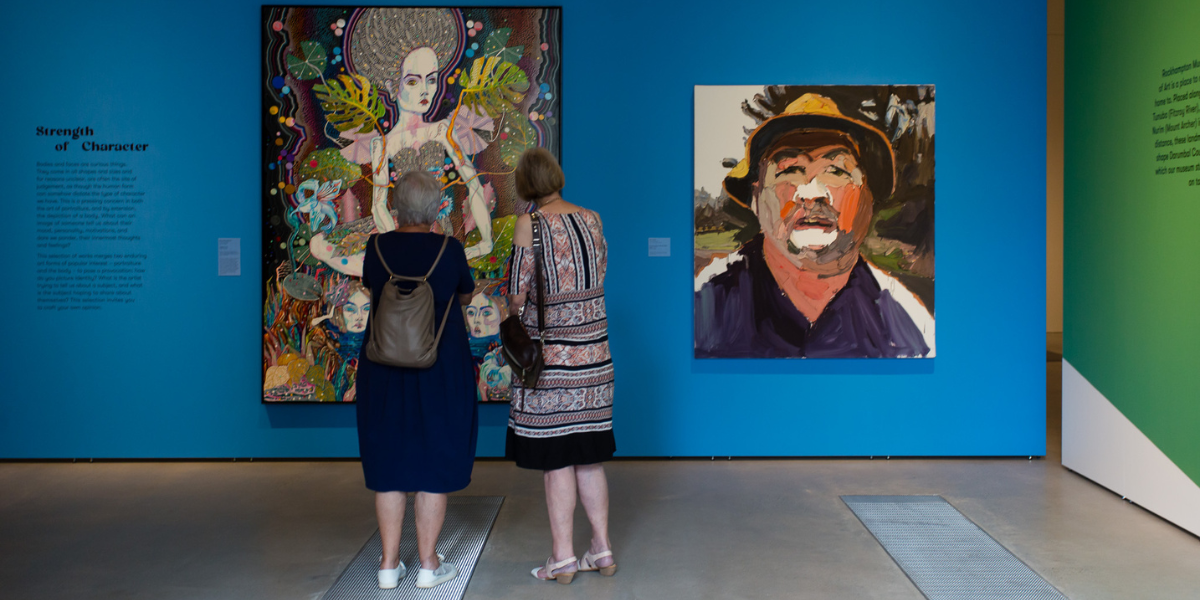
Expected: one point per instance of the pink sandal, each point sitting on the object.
(588, 563)
(563, 578)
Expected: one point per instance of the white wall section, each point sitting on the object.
(1101, 444)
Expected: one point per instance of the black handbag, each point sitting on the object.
(523, 353)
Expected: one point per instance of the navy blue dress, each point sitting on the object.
(417, 427)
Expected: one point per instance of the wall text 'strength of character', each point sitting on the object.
(74, 133)
(78, 132)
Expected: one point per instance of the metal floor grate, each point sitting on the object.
(944, 554)
(468, 522)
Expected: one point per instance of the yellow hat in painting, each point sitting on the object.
(818, 114)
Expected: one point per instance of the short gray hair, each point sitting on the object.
(416, 196)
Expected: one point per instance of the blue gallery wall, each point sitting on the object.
(177, 374)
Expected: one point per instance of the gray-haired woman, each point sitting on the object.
(417, 427)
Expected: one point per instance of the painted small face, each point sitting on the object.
(418, 81)
(813, 205)
(483, 317)
(355, 312)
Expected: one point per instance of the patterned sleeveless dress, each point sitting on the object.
(567, 419)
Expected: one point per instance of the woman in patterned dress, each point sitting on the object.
(563, 426)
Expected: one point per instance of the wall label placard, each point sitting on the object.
(229, 257)
(660, 246)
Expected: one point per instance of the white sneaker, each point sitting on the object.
(427, 578)
(390, 578)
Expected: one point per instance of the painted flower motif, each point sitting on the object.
(466, 126)
(316, 199)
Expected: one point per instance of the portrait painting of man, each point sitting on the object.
(814, 222)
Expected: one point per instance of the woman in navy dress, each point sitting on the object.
(417, 427)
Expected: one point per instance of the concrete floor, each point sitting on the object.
(681, 529)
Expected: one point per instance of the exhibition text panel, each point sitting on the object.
(88, 241)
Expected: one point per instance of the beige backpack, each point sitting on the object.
(402, 325)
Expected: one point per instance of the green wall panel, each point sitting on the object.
(1131, 242)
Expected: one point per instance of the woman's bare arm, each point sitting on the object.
(523, 237)
(515, 303)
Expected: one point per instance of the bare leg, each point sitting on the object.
(593, 492)
(389, 509)
(560, 500)
(431, 513)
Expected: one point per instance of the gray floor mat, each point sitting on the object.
(468, 522)
(944, 554)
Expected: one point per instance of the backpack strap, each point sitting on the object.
(437, 340)
(446, 315)
(445, 241)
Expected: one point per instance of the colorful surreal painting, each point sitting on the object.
(814, 221)
(355, 97)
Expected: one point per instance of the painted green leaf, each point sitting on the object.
(512, 55)
(310, 64)
(328, 165)
(518, 137)
(493, 86)
(502, 246)
(496, 41)
(301, 255)
(352, 105)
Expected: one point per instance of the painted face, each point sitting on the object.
(483, 317)
(813, 205)
(418, 81)
(355, 312)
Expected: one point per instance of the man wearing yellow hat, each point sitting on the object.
(800, 288)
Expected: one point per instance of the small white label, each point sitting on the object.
(229, 257)
(660, 246)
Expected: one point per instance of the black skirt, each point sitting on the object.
(553, 453)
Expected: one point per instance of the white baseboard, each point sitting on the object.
(1101, 444)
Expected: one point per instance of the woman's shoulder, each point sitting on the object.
(408, 241)
(590, 215)
(454, 246)
(413, 236)
(372, 240)
(582, 211)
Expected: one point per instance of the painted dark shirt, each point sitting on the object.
(349, 343)
(743, 313)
